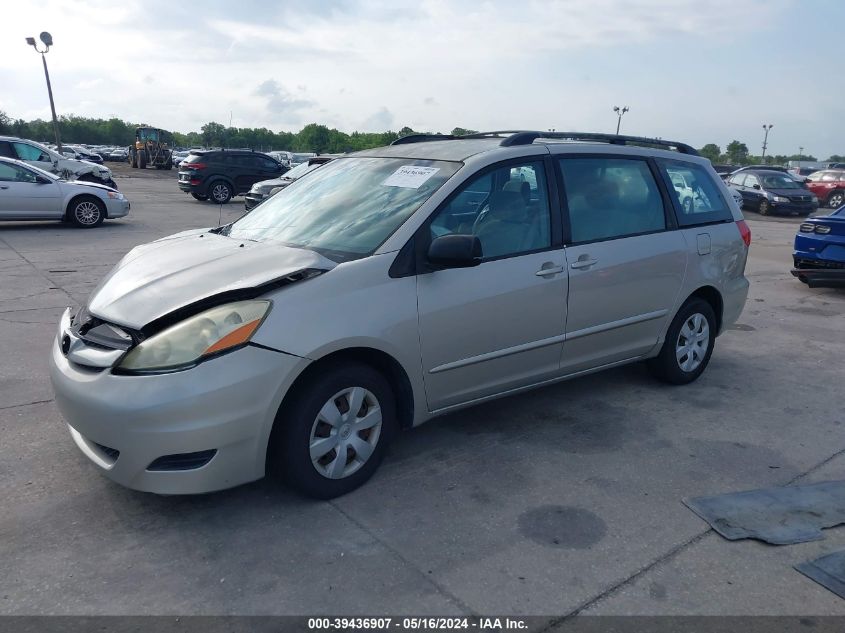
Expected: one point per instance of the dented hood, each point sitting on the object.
(155, 279)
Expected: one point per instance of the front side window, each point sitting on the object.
(829, 176)
(347, 208)
(26, 151)
(15, 173)
(698, 196)
(779, 181)
(751, 180)
(611, 197)
(507, 209)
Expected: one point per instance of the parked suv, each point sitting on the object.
(262, 190)
(829, 187)
(391, 286)
(217, 175)
(50, 160)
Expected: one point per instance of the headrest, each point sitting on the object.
(520, 186)
(508, 206)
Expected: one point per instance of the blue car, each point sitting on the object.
(819, 254)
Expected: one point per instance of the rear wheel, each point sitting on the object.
(199, 196)
(764, 207)
(86, 212)
(220, 192)
(142, 159)
(688, 345)
(836, 199)
(333, 436)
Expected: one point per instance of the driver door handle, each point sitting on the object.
(4, 186)
(584, 263)
(549, 269)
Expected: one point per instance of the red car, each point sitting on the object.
(829, 187)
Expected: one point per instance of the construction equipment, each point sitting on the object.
(151, 148)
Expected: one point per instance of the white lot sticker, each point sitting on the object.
(410, 176)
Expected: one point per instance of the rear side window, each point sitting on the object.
(609, 198)
(698, 198)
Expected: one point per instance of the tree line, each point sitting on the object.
(736, 153)
(311, 138)
(114, 131)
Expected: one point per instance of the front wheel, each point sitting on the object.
(86, 212)
(332, 437)
(688, 345)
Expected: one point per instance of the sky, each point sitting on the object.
(697, 71)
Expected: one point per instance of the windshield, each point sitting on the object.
(779, 182)
(347, 208)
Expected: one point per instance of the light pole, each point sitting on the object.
(800, 153)
(766, 129)
(47, 39)
(619, 112)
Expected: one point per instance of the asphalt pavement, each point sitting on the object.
(560, 501)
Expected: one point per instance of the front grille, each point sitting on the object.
(800, 198)
(111, 453)
(182, 461)
(819, 263)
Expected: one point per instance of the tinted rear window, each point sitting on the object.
(697, 197)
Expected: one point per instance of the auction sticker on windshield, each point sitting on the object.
(410, 176)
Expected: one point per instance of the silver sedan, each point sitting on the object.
(30, 193)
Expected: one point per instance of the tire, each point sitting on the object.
(764, 207)
(142, 159)
(674, 366)
(133, 159)
(303, 424)
(220, 192)
(836, 199)
(169, 165)
(86, 212)
(199, 196)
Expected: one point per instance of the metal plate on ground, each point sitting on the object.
(780, 516)
(828, 571)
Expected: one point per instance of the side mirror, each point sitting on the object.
(756, 186)
(455, 251)
(42, 180)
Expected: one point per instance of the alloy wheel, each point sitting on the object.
(345, 433)
(220, 192)
(87, 213)
(693, 341)
(836, 200)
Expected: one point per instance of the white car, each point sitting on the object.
(30, 193)
(53, 162)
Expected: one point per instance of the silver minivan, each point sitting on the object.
(391, 286)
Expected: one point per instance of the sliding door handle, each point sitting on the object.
(584, 263)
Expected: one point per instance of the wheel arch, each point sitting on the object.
(711, 295)
(77, 196)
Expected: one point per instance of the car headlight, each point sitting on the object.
(115, 195)
(206, 334)
(780, 199)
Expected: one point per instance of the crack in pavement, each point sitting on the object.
(25, 404)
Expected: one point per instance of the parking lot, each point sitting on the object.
(563, 500)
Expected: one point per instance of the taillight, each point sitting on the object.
(744, 231)
(194, 165)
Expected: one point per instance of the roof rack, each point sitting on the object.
(511, 138)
